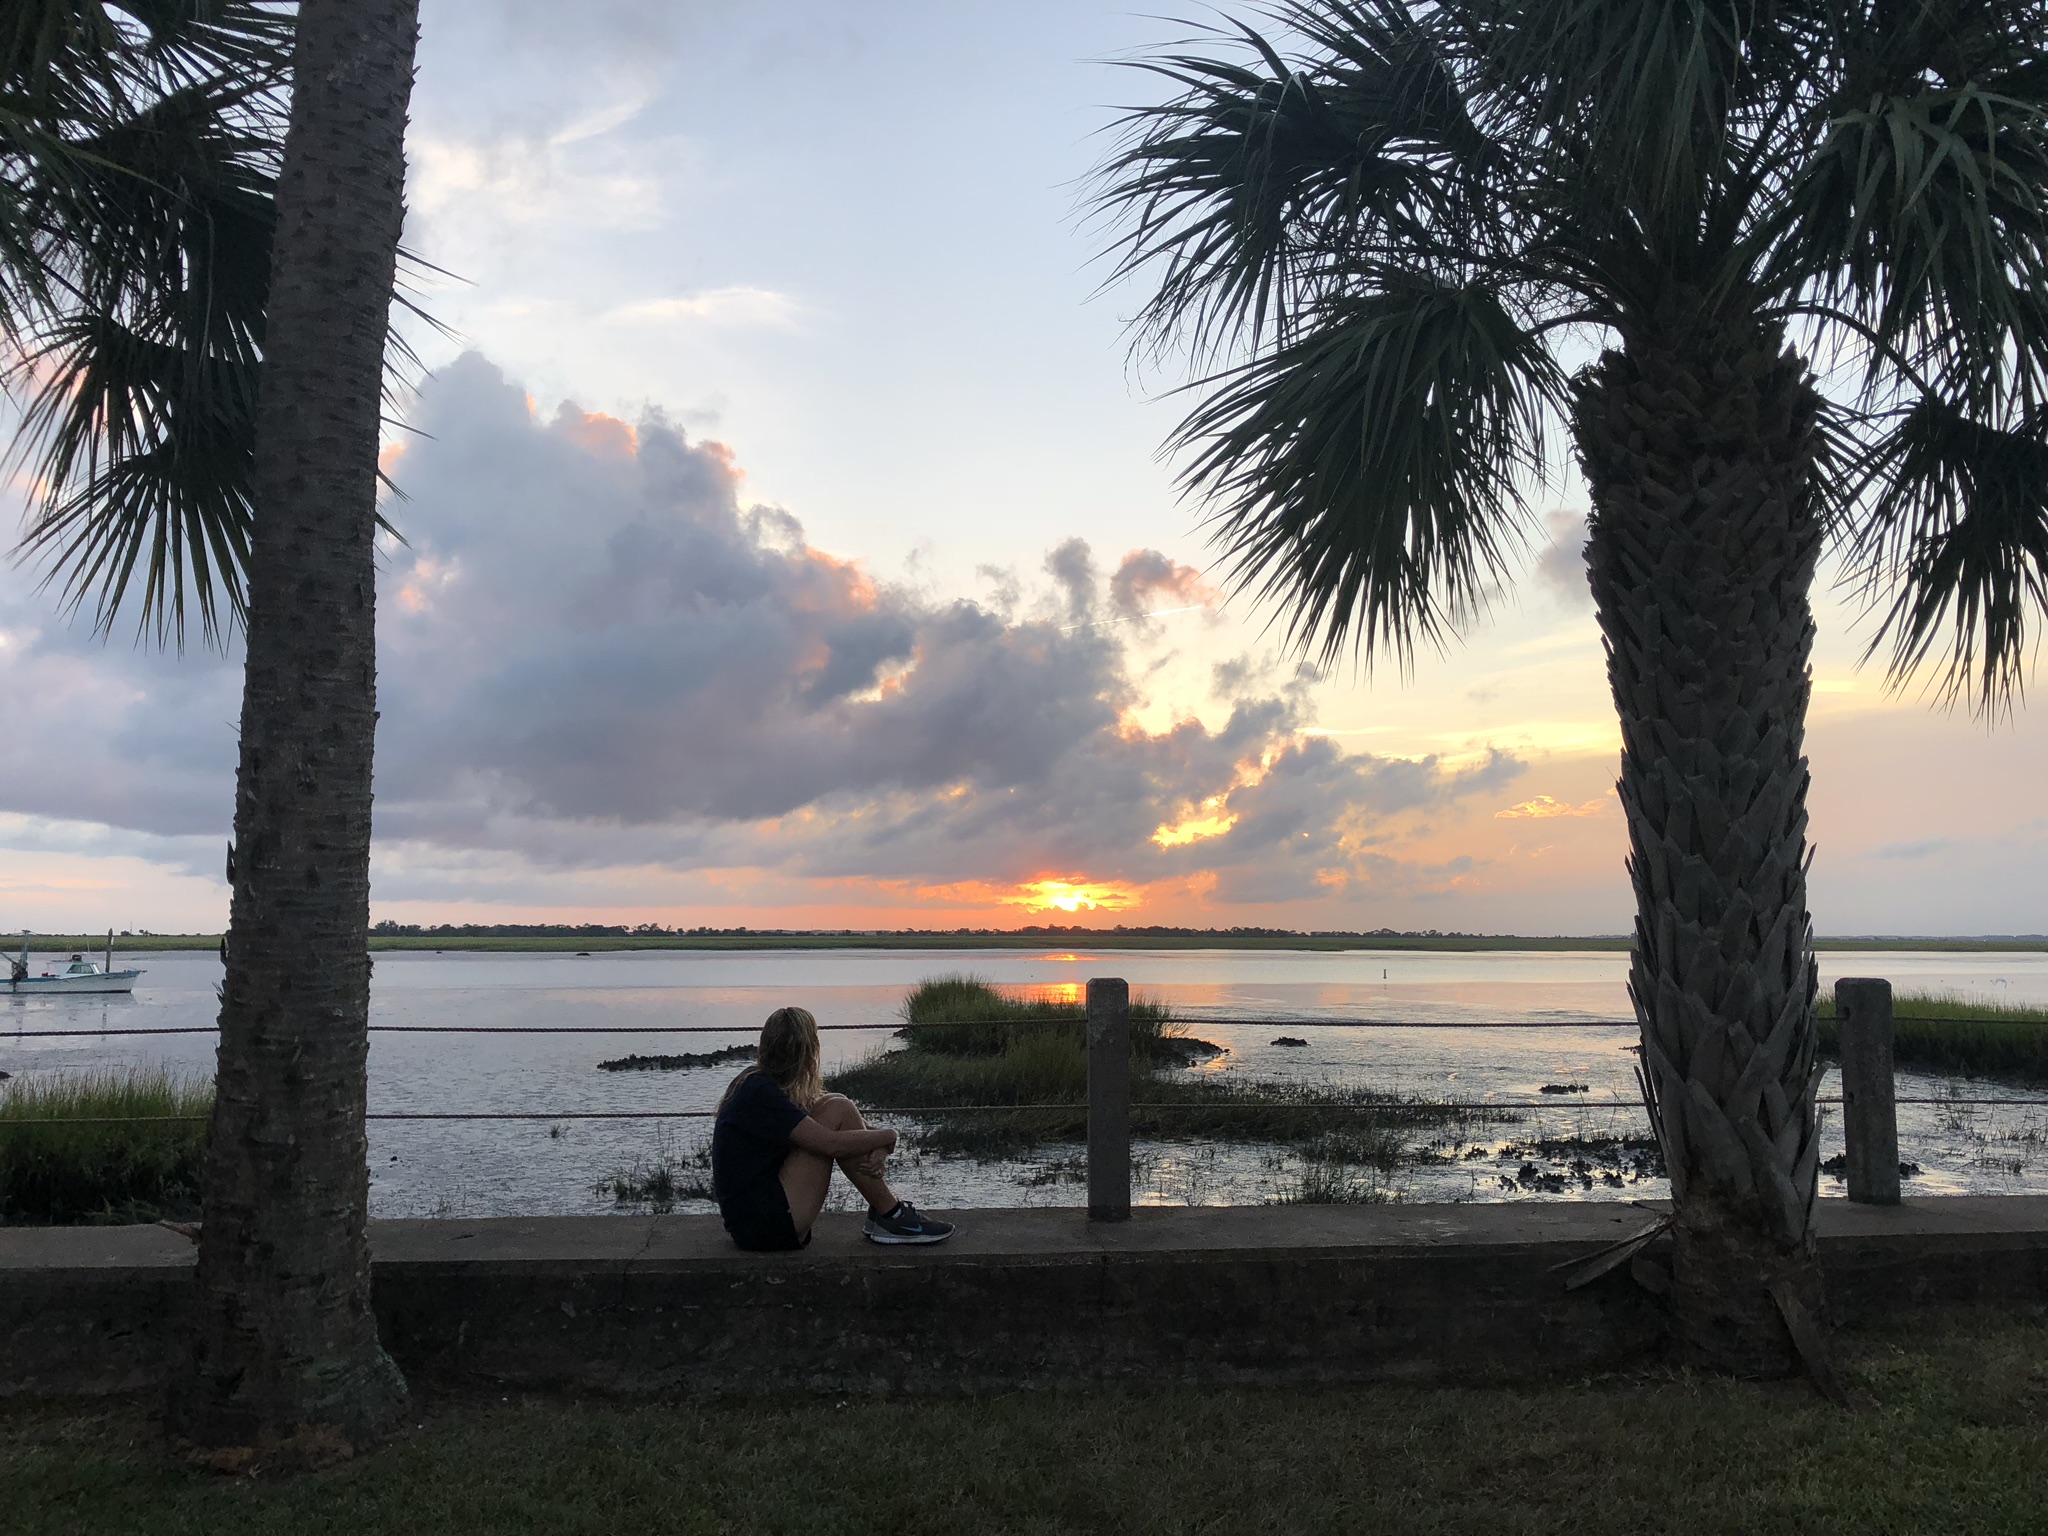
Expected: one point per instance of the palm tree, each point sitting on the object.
(1776, 268)
(285, 1351)
(168, 256)
(197, 314)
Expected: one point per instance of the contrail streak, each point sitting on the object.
(1158, 613)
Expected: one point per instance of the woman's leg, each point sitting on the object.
(806, 1176)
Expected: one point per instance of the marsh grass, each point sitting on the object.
(966, 1016)
(946, 1063)
(1318, 1183)
(657, 1182)
(1330, 1171)
(1940, 1032)
(72, 1174)
(1994, 1142)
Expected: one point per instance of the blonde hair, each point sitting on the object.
(788, 1056)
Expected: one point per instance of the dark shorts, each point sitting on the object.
(766, 1227)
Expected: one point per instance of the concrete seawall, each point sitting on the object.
(665, 1305)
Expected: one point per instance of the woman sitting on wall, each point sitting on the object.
(777, 1135)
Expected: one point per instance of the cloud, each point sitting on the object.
(1545, 808)
(598, 657)
(1918, 848)
(1147, 581)
(735, 306)
(626, 642)
(619, 29)
(107, 731)
(1561, 564)
(531, 123)
(479, 197)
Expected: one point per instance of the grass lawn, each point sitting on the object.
(1954, 1439)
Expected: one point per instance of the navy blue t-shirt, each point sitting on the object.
(748, 1143)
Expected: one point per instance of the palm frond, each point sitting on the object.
(136, 174)
(1894, 47)
(1956, 541)
(1645, 91)
(1251, 191)
(1368, 472)
(1926, 217)
(145, 447)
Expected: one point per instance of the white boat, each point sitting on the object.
(79, 975)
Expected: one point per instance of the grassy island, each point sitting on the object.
(967, 1044)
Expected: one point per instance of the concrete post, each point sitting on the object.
(1109, 1099)
(1870, 1111)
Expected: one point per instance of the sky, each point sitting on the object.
(788, 544)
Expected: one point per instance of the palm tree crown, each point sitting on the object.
(1394, 236)
(139, 150)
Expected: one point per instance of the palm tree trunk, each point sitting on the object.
(1704, 538)
(285, 1359)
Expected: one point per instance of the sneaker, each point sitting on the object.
(904, 1225)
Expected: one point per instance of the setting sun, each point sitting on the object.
(1072, 896)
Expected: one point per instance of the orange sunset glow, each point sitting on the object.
(1546, 808)
(1075, 895)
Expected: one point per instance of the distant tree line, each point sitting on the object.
(657, 930)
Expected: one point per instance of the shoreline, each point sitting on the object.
(1072, 939)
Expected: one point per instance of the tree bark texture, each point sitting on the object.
(1704, 537)
(284, 1353)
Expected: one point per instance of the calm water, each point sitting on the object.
(509, 1168)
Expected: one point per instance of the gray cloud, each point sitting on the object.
(1918, 848)
(594, 623)
(595, 655)
(1561, 565)
(104, 730)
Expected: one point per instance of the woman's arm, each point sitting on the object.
(826, 1142)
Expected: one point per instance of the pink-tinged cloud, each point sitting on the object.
(1147, 583)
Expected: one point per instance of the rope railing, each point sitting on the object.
(748, 1029)
(1107, 1050)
